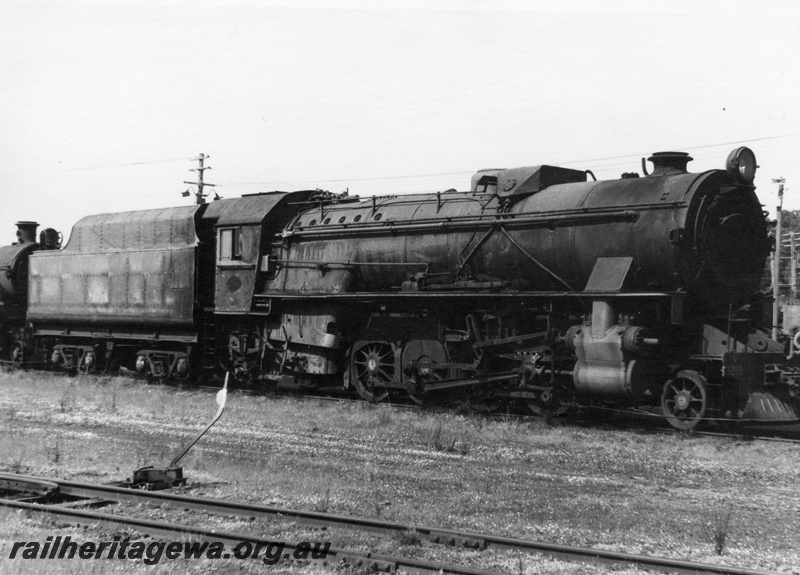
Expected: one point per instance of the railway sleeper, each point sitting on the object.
(456, 540)
(367, 563)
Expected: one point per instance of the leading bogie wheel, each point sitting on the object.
(684, 400)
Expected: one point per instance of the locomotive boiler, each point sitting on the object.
(538, 285)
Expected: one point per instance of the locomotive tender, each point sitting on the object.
(537, 285)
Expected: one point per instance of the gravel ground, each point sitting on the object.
(667, 495)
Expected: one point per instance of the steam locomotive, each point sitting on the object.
(539, 286)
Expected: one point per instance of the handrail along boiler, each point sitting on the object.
(537, 285)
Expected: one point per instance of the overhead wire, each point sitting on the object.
(183, 159)
(560, 163)
(608, 162)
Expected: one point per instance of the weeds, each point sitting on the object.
(68, 399)
(717, 530)
(10, 414)
(372, 472)
(442, 441)
(509, 431)
(439, 441)
(324, 501)
(384, 417)
(16, 465)
(54, 449)
(380, 507)
(113, 406)
(489, 485)
(409, 537)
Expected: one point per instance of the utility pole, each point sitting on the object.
(200, 197)
(776, 262)
(790, 241)
(793, 279)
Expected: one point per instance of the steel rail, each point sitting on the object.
(451, 537)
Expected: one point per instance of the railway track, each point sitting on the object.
(655, 425)
(45, 496)
(652, 422)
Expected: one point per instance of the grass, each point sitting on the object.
(450, 443)
(718, 528)
(618, 490)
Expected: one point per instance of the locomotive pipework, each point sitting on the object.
(534, 286)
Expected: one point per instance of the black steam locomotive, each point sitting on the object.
(538, 285)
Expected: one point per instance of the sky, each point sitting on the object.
(105, 104)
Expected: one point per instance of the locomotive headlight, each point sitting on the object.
(741, 163)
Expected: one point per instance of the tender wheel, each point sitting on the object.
(87, 362)
(373, 368)
(685, 400)
(184, 370)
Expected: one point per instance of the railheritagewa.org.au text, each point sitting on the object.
(151, 552)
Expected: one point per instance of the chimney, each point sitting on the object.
(668, 163)
(26, 232)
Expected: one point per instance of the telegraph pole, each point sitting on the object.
(200, 197)
(776, 262)
(793, 262)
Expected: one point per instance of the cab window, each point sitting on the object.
(230, 245)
